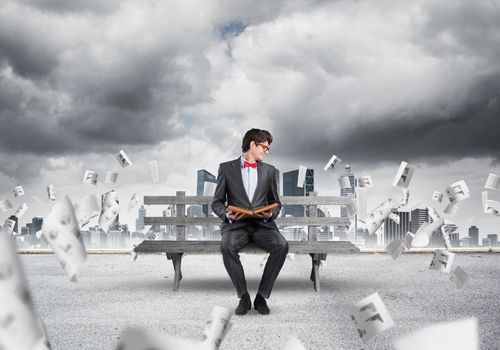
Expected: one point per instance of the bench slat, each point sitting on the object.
(285, 200)
(291, 221)
(210, 247)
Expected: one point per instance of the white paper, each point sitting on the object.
(301, 178)
(424, 233)
(365, 181)
(395, 248)
(109, 211)
(293, 344)
(408, 239)
(111, 177)
(450, 210)
(5, 205)
(448, 229)
(403, 175)
(492, 182)
(90, 177)
(457, 191)
(437, 196)
(155, 173)
(377, 216)
(21, 210)
(51, 192)
(442, 260)
(9, 226)
(332, 164)
(371, 317)
(433, 213)
(484, 198)
(133, 202)
(405, 196)
(217, 327)
(456, 335)
(209, 188)
(344, 182)
(123, 159)
(62, 232)
(18, 191)
(394, 217)
(459, 277)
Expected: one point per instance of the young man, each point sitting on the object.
(248, 182)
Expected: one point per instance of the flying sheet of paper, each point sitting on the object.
(217, 327)
(408, 239)
(433, 213)
(405, 196)
(109, 211)
(301, 178)
(19, 325)
(21, 210)
(492, 182)
(134, 200)
(9, 226)
(51, 193)
(437, 196)
(365, 181)
(377, 216)
(111, 177)
(403, 175)
(371, 317)
(424, 233)
(448, 229)
(90, 177)
(62, 232)
(209, 188)
(123, 159)
(442, 261)
(5, 205)
(333, 163)
(88, 209)
(344, 182)
(459, 277)
(394, 217)
(293, 344)
(454, 335)
(155, 173)
(450, 210)
(457, 191)
(18, 191)
(484, 198)
(395, 248)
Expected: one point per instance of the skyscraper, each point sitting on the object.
(36, 225)
(493, 239)
(474, 236)
(394, 231)
(349, 192)
(290, 189)
(139, 223)
(418, 217)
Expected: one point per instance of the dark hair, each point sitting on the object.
(256, 135)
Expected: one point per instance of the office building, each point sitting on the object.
(139, 223)
(349, 192)
(493, 239)
(418, 217)
(474, 236)
(290, 189)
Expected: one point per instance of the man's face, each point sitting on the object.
(259, 149)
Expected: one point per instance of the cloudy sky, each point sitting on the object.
(181, 81)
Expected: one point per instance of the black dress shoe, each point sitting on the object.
(244, 305)
(260, 305)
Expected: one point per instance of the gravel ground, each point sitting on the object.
(113, 293)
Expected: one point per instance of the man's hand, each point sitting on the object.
(264, 214)
(235, 216)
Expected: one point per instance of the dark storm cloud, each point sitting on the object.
(473, 131)
(63, 6)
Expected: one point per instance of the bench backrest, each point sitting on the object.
(311, 202)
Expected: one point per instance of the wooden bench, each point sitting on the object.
(174, 250)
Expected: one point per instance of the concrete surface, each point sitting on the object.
(113, 293)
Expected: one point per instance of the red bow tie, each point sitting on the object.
(247, 164)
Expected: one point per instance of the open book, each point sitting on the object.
(252, 211)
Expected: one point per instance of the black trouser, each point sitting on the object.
(268, 239)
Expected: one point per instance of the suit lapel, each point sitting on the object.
(237, 174)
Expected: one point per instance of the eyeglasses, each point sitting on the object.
(264, 147)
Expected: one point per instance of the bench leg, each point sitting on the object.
(176, 261)
(315, 258)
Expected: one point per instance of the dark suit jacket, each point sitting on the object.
(231, 191)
